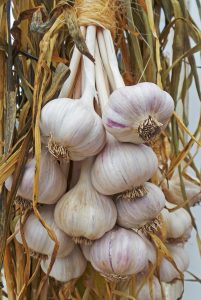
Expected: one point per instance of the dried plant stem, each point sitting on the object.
(20, 266)
(9, 274)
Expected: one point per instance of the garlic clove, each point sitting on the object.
(37, 237)
(168, 273)
(173, 192)
(121, 167)
(83, 213)
(138, 113)
(144, 293)
(178, 224)
(66, 268)
(135, 214)
(48, 194)
(118, 254)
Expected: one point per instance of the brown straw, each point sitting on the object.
(97, 12)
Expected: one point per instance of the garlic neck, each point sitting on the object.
(119, 82)
(89, 68)
(85, 173)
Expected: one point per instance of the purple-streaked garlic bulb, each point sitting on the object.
(66, 268)
(121, 167)
(37, 237)
(118, 254)
(138, 113)
(52, 181)
(140, 211)
(168, 272)
(83, 213)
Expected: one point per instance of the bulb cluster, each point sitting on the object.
(111, 205)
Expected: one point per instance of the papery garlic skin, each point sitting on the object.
(137, 113)
(122, 166)
(83, 212)
(72, 124)
(168, 273)
(37, 237)
(66, 268)
(134, 214)
(178, 223)
(119, 253)
(173, 192)
(86, 251)
(144, 292)
(52, 181)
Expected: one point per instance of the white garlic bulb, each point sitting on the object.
(178, 223)
(51, 188)
(122, 166)
(144, 293)
(119, 253)
(37, 237)
(151, 250)
(72, 128)
(138, 113)
(173, 192)
(136, 213)
(83, 213)
(168, 273)
(66, 268)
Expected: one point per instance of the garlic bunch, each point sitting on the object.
(37, 237)
(145, 292)
(72, 128)
(135, 214)
(83, 213)
(66, 268)
(178, 223)
(122, 166)
(173, 192)
(52, 181)
(138, 113)
(119, 253)
(168, 273)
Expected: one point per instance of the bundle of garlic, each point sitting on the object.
(66, 268)
(37, 237)
(173, 192)
(48, 194)
(178, 223)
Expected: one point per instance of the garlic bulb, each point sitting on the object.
(151, 250)
(134, 214)
(144, 293)
(66, 268)
(168, 273)
(48, 194)
(122, 166)
(178, 223)
(173, 192)
(119, 253)
(37, 237)
(72, 128)
(138, 113)
(83, 213)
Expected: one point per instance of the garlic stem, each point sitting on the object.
(78, 85)
(89, 68)
(119, 82)
(74, 65)
(100, 80)
(104, 57)
(85, 173)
